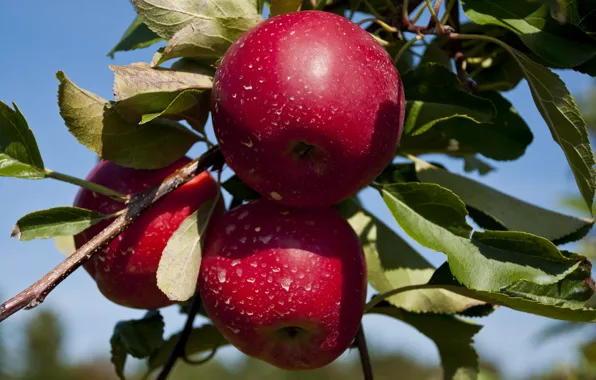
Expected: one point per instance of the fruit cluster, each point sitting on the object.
(307, 109)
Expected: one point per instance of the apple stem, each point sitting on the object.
(364, 357)
(87, 185)
(36, 293)
(179, 350)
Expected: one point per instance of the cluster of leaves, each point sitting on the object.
(512, 260)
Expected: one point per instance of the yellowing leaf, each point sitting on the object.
(279, 7)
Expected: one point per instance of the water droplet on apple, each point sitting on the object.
(221, 275)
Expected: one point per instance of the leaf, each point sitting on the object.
(197, 28)
(506, 137)
(566, 124)
(201, 339)
(58, 221)
(509, 212)
(19, 154)
(205, 39)
(140, 78)
(65, 244)
(137, 36)
(279, 7)
(180, 262)
(474, 164)
(144, 93)
(562, 45)
(567, 299)
(96, 124)
(137, 337)
(392, 264)
(239, 189)
(435, 218)
(434, 94)
(166, 17)
(453, 337)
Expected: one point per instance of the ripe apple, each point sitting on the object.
(125, 269)
(284, 285)
(307, 108)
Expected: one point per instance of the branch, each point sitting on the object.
(179, 350)
(364, 358)
(456, 49)
(36, 293)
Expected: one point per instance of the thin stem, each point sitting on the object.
(391, 6)
(448, 9)
(179, 349)
(405, 13)
(419, 13)
(364, 357)
(36, 293)
(372, 10)
(434, 16)
(383, 25)
(87, 185)
(406, 46)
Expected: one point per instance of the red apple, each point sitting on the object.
(125, 269)
(307, 108)
(284, 285)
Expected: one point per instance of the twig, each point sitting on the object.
(364, 358)
(36, 293)
(179, 350)
(456, 49)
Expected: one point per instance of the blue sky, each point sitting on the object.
(74, 36)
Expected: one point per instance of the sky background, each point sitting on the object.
(39, 38)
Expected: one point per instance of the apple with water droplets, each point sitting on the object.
(284, 285)
(125, 269)
(307, 108)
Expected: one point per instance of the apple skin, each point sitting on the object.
(287, 286)
(307, 108)
(125, 270)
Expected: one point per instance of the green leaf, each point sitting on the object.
(144, 93)
(506, 137)
(137, 36)
(474, 164)
(197, 28)
(581, 14)
(202, 339)
(434, 94)
(19, 154)
(558, 9)
(96, 124)
(137, 337)
(180, 262)
(239, 189)
(140, 78)
(509, 212)
(435, 218)
(65, 244)
(562, 45)
(566, 124)
(279, 7)
(392, 264)
(453, 337)
(59, 221)
(569, 299)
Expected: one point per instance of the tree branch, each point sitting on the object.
(364, 358)
(36, 293)
(179, 350)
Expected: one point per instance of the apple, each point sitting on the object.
(307, 108)
(125, 269)
(287, 286)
